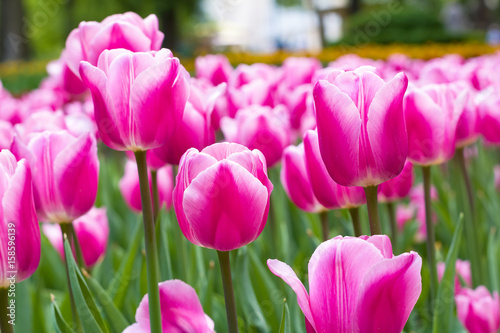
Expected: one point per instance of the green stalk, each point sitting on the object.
(354, 212)
(431, 238)
(323, 216)
(150, 244)
(67, 232)
(75, 244)
(227, 284)
(5, 326)
(394, 227)
(470, 224)
(372, 203)
(156, 195)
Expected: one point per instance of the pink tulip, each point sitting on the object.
(462, 273)
(195, 130)
(468, 124)
(120, 31)
(131, 191)
(65, 173)
(432, 115)
(92, 231)
(328, 193)
(404, 214)
(181, 311)
(19, 231)
(489, 117)
(262, 128)
(6, 134)
(478, 310)
(213, 67)
(61, 77)
(361, 127)
(356, 285)
(139, 98)
(295, 180)
(245, 74)
(497, 177)
(41, 121)
(298, 101)
(399, 187)
(222, 194)
(298, 71)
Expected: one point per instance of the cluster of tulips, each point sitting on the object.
(355, 132)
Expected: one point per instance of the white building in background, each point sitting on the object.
(263, 26)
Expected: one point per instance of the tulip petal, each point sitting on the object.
(285, 272)
(381, 242)
(226, 206)
(389, 293)
(339, 126)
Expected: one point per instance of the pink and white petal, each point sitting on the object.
(381, 242)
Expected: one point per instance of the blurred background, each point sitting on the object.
(36, 30)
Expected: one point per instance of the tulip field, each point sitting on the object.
(350, 195)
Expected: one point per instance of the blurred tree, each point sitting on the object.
(13, 30)
(355, 6)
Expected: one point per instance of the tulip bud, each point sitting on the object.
(478, 310)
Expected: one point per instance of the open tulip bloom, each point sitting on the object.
(361, 130)
(356, 285)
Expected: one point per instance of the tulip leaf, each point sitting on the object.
(60, 325)
(444, 304)
(86, 307)
(116, 319)
(249, 302)
(285, 319)
(117, 288)
(493, 251)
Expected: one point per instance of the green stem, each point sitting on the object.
(354, 212)
(323, 216)
(5, 326)
(394, 227)
(431, 238)
(470, 223)
(150, 244)
(75, 244)
(67, 232)
(156, 195)
(227, 284)
(372, 203)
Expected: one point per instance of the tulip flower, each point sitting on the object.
(468, 124)
(297, 101)
(120, 31)
(181, 311)
(130, 188)
(356, 285)
(92, 231)
(399, 187)
(361, 131)
(489, 117)
(325, 189)
(6, 134)
(213, 67)
(61, 77)
(262, 128)
(298, 71)
(462, 273)
(221, 200)
(143, 113)
(19, 231)
(478, 310)
(65, 173)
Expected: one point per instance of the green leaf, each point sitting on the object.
(115, 317)
(117, 289)
(60, 324)
(493, 251)
(443, 307)
(86, 307)
(285, 319)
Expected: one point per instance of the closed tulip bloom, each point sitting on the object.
(399, 187)
(120, 31)
(361, 127)
(297, 101)
(297, 71)
(295, 180)
(181, 311)
(6, 134)
(65, 173)
(262, 128)
(468, 123)
(19, 231)
(131, 191)
(222, 194)
(356, 285)
(92, 231)
(325, 189)
(478, 310)
(213, 67)
(432, 115)
(139, 98)
(462, 273)
(489, 117)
